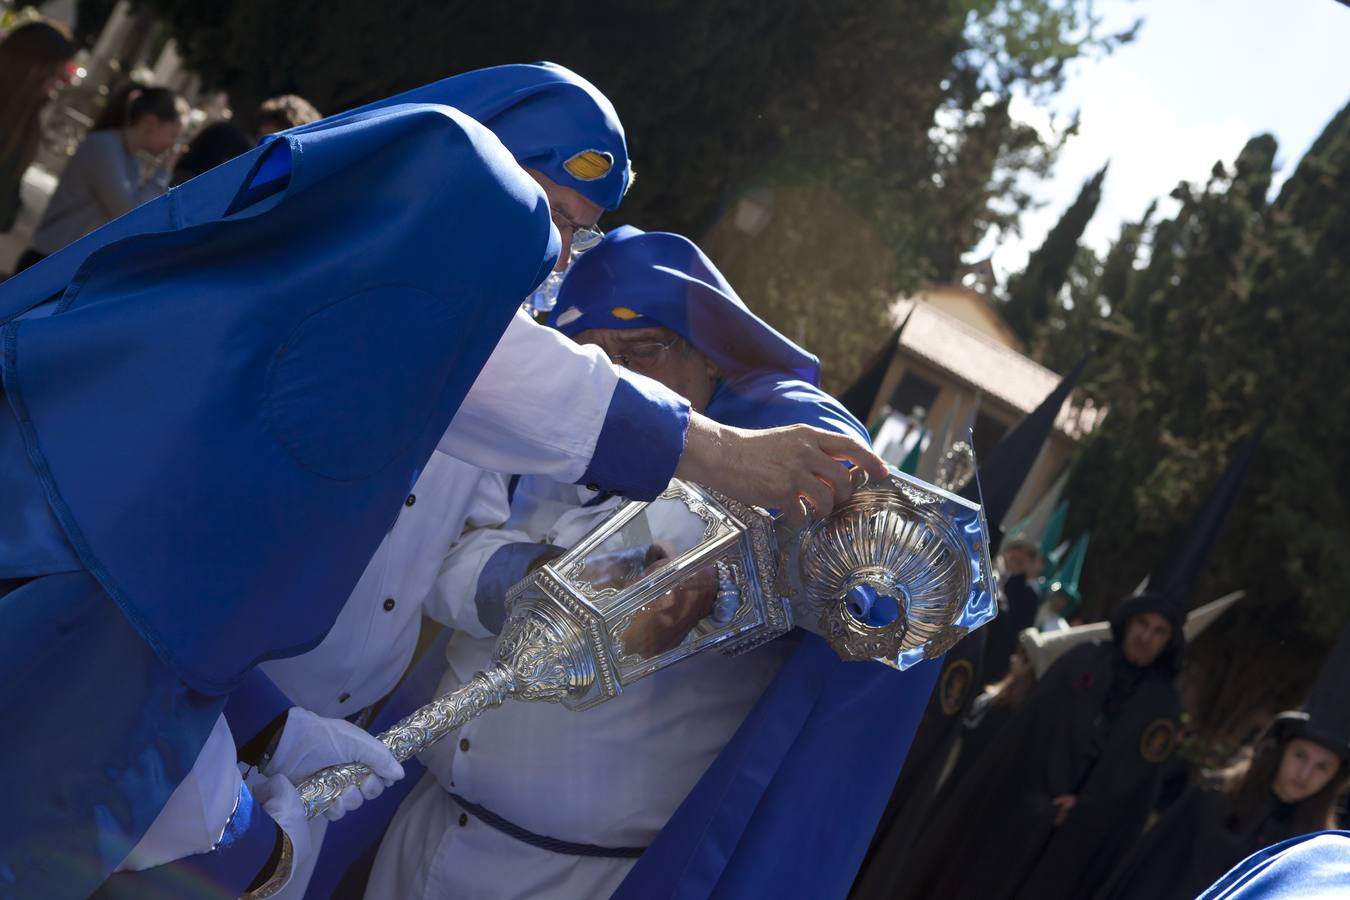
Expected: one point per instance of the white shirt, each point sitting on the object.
(611, 775)
(538, 405)
(509, 422)
(371, 643)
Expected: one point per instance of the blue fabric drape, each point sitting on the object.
(789, 805)
(1308, 867)
(640, 279)
(212, 409)
(228, 415)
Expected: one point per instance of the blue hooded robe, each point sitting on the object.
(213, 408)
(789, 806)
(1310, 867)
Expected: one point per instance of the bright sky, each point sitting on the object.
(1202, 77)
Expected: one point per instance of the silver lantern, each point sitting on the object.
(897, 574)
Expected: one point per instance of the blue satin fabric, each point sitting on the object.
(223, 874)
(789, 806)
(543, 112)
(98, 732)
(226, 417)
(1308, 867)
(641, 440)
(641, 279)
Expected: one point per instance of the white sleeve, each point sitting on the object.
(198, 810)
(452, 599)
(537, 406)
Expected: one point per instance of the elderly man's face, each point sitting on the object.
(661, 354)
(1146, 635)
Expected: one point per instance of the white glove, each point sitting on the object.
(310, 743)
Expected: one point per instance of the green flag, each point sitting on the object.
(1065, 579)
(910, 464)
(1054, 529)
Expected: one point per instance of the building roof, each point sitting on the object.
(998, 371)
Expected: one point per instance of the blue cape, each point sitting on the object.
(789, 806)
(225, 417)
(637, 279)
(548, 116)
(212, 422)
(1309, 867)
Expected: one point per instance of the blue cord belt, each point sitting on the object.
(553, 845)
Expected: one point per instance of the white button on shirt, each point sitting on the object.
(538, 405)
(371, 643)
(509, 422)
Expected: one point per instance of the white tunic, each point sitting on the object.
(509, 423)
(372, 642)
(611, 775)
(512, 420)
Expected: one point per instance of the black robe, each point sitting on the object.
(1018, 603)
(1094, 727)
(918, 782)
(980, 727)
(1193, 844)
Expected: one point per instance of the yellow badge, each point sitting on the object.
(624, 313)
(955, 685)
(1158, 740)
(589, 165)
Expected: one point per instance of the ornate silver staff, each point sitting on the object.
(897, 574)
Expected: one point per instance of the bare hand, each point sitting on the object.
(795, 469)
(1063, 805)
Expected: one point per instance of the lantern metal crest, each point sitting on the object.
(897, 574)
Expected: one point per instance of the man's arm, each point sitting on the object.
(486, 560)
(543, 405)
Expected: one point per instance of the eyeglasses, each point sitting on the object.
(584, 237)
(640, 357)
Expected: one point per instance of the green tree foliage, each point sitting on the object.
(1240, 317)
(1097, 290)
(855, 122)
(1033, 295)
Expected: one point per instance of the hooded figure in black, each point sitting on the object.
(1289, 784)
(1077, 768)
(1075, 773)
(996, 485)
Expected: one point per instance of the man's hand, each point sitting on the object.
(1063, 805)
(795, 469)
(310, 743)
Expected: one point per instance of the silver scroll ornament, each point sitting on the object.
(897, 574)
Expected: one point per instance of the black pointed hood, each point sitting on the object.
(1169, 587)
(859, 397)
(1325, 717)
(1001, 473)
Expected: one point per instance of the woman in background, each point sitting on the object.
(1289, 784)
(103, 179)
(34, 61)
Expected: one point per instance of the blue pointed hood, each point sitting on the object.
(643, 279)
